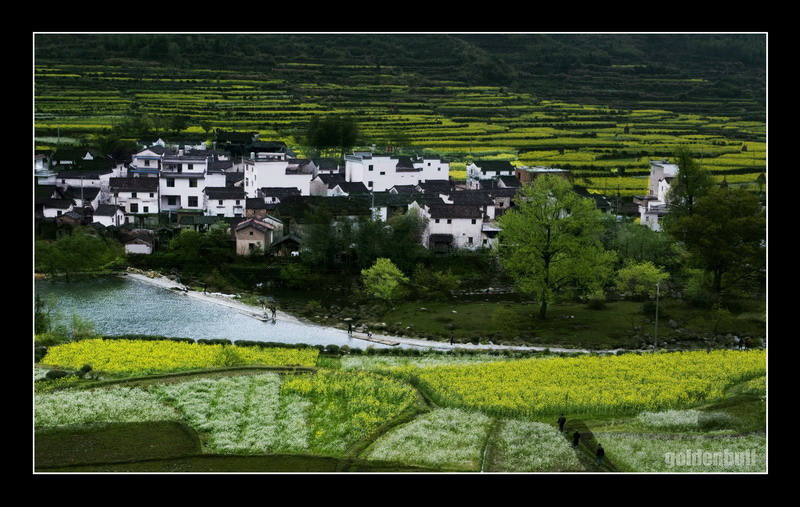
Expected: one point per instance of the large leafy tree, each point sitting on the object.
(551, 241)
(78, 251)
(691, 183)
(384, 280)
(332, 134)
(725, 235)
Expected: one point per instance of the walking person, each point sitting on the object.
(576, 437)
(599, 454)
(561, 421)
(350, 328)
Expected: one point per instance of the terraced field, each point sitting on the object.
(607, 148)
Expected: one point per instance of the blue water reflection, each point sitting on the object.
(120, 305)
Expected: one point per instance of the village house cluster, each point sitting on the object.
(264, 193)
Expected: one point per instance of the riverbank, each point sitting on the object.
(257, 312)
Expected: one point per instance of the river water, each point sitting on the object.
(122, 305)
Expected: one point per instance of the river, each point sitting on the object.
(127, 305)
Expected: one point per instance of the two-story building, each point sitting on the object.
(452, 226)
(482, 170)
(266, 169)
(227, 202)
(653, 206)
(182, 178)
(382, 172)
(136, 196)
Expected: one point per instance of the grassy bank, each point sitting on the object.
(622, 324)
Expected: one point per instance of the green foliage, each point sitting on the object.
(639, 279)
(725, 236)
(551, 241)
(384, 281)
(79, 251)
(76, 328)
(332, 134)
(433, 284)
(690, 184)
(195, 251)
(637, 243)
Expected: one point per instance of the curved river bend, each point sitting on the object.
(122, 305)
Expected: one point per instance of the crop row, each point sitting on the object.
(593, 385)
(134, 357)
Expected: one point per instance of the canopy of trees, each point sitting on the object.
(551, 241)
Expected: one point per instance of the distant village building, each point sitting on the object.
(526, 175)
(653, 206)
(381, 172)
(483, 170)
(253, 235)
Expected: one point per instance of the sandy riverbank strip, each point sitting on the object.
(232, 302)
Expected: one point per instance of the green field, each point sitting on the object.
(608, 149)
(371, 413)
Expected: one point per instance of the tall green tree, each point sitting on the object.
(384, 280)
(551, 241)
(78, 251)
(691, 183)
(332, 134)
(725, 235)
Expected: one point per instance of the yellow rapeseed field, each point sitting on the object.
(628, 383)
(148, 356)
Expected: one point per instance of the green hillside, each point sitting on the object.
(600, 105)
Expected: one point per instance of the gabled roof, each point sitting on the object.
(107, 210)
(89, 175)
(279, 191)
(405, 164)
(297, 206)
(388, 199)
(494, 165)
(133, 184)
(352, 187)
(455, 211)
(256, 224)
(510, 181)
(405, 189)
(331, 180)
(225, 193)
(435, 186)
(475, 197)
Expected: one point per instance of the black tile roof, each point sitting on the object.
(133, 184)
(225, 193)
(455, 211)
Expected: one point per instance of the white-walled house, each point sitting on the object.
(275, 170)
(76, 180)
(452, 226)
(147, 162)
(136, 196)
(224, 201)
(379, 173)
(482, 170)
(109, 215)
(478, 198)
(653, 206)
(182, 179)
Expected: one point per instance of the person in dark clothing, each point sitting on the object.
(575, 439)
(561, 421)
(599, 454)
(349, 328)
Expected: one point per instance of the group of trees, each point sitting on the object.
(555, 241)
